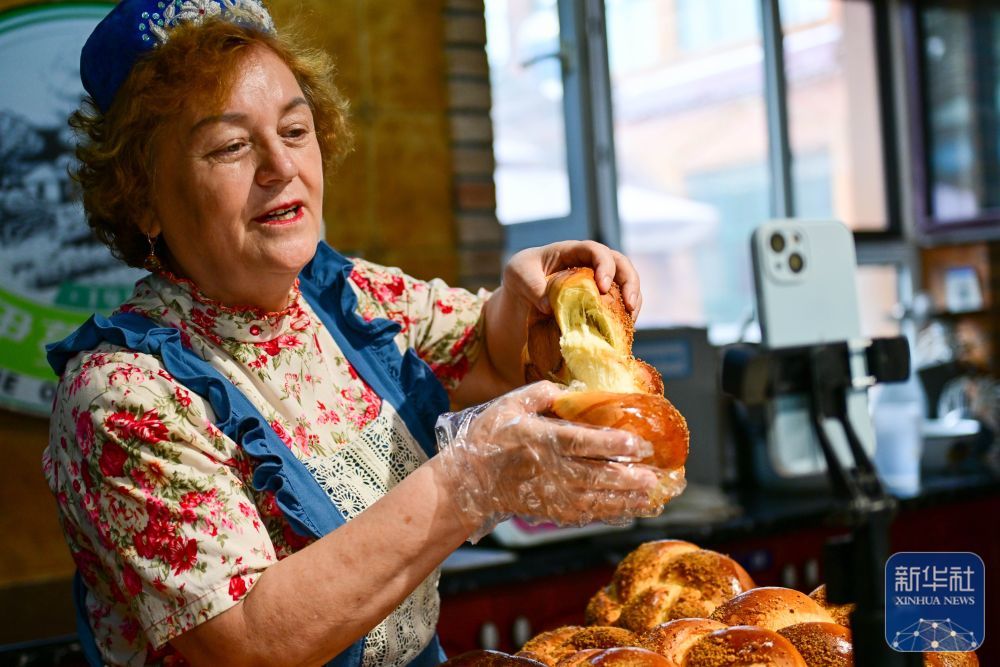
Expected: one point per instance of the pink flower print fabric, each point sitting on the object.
(157, 504)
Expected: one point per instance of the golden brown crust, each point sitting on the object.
(651, 417)
(641, 568)
(743, 647)
(549, 646)
(666, 580)
(579, 659)
(486, 658)
(690, 585)
(949, 659)
(717, 577)
(771, 607)
(674, 639)
(648, 377)
(541, 355)
(821, 644)
(602, 609)
(841, 613)
(601, 637)
(649, 608)
(627, 657)
(690, 603)
(555, 645)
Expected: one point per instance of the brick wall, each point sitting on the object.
(474, 195)
(391, 199)
(418, 190)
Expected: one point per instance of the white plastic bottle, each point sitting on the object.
(898, 411)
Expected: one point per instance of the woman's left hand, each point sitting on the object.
(524, 284)
(526, 272)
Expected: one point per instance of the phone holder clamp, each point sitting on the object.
(855, 563)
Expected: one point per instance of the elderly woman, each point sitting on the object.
(244, 455)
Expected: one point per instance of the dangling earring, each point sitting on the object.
(152, 263)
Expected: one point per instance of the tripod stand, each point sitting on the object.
(855, 563)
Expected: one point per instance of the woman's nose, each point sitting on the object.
(276, 164)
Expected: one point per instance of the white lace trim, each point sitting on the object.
(355, 477)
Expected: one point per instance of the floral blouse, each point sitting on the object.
(157, 504)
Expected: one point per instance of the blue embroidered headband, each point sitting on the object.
(135, 27)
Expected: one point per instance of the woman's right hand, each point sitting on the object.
(505, 458)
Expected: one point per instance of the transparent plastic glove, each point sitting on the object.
(503, 458)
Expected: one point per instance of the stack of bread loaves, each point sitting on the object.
(671, 604)
(683, 605)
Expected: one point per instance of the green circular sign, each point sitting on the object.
(53, 273)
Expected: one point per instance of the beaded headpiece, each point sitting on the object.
(135, 27)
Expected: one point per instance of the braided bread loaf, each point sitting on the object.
(666, 580)
(552, 646)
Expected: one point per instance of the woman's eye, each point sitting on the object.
(296, 132)
(230, 149)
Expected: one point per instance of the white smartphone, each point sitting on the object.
(804, 275)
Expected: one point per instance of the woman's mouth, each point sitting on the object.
(283, 215)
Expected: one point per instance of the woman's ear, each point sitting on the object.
(150, 224)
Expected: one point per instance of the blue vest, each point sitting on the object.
(405, 381)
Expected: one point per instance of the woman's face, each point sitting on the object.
(238, 196)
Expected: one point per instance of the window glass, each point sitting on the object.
(691, 149)
(702, 25)
(795, 12)
(529, 136)
(835, 132)
(878, 294)
(634, 38)
(699, 27)
(691, 138)
(961, 53)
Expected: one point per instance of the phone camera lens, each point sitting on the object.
(777, 242)
(795, 262)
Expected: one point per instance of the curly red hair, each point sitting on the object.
(197, 65)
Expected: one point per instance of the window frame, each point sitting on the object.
(593, 206)
(776, 97)
(985, 225)
(589, 126)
